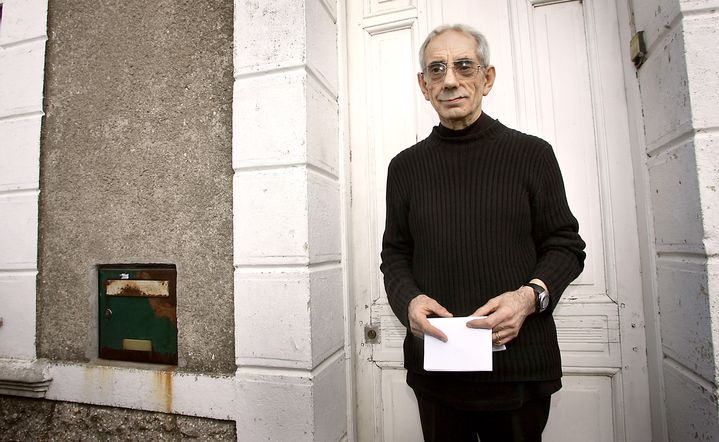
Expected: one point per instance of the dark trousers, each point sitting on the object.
(441, 422)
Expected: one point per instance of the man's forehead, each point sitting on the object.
(451, 44)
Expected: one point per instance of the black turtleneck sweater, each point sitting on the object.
(472, 214)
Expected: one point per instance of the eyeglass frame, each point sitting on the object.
(447, 67)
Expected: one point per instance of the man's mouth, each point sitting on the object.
(451, 100)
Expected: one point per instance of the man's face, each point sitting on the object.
(457, 100)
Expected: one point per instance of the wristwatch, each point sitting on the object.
(541, 297)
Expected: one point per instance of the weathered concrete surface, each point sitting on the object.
(35, 419)
(136, 167)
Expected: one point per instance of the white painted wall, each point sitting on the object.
(287, 222)
(22, 61)
(679, 86)
(291, 381)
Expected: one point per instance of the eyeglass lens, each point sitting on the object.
(463, 68)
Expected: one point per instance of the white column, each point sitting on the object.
(680, 88)
(288, 276)
(22, 62)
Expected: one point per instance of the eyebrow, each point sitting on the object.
(453, 61)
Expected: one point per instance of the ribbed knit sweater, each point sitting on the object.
(472, 214)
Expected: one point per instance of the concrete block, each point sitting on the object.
(288, 406)
(274, 407)
(326, 312)
(286, 216)
(702, 58)
(281, 43)
(20, 153)
(21, 78)
(270, 217)
(330, 401)
(322, 128)
(18, 231)
(17, 310)
(324, 218)
(322, 42)
(686, 315)
(675, 199)
(272, 318)
(712, 276)
(23, 20)
(665, 97)
(707, 153)
(691, 406)
(288, 318)
(284, 118)
(270, 120)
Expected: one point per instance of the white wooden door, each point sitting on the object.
(558, 76)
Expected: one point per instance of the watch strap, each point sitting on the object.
(538, 291)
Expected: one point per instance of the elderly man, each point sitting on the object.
(478, 225)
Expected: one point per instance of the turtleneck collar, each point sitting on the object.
(484, 126)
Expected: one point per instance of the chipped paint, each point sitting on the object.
(134, 287)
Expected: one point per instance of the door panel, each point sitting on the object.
(550, 82)
(401, 416)
(582, 411)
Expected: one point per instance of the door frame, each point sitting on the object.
(626, 226)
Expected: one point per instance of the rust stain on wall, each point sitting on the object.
(163, 389)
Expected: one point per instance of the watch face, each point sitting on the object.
(543, 300)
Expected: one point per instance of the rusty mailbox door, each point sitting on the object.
(137, 313)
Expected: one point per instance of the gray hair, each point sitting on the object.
(482, 45)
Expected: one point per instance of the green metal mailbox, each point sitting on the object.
(138, 313)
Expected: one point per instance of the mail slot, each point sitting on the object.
(138, 313)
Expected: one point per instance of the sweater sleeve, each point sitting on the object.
(560, 249)
(397, 249)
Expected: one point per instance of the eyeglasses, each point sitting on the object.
(462, 68)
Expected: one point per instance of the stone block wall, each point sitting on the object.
(22, 57)
(289, 295)
(679, 91)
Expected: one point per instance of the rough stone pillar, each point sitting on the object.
(288, 276)
(680, 89)
(22, 59)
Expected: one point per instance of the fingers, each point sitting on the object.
(503, 336)
(505, 315)
(435, 332)
(419, 308)
(494, 315)
(423, 306)
(487, 308)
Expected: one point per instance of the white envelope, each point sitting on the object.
(467, 349)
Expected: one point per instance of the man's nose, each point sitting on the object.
(450, 79)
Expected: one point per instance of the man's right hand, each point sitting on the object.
(419, 308)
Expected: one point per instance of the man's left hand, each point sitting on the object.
(505, 314)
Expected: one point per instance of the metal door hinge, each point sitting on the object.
(638, 49)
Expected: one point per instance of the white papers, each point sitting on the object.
(467, 349)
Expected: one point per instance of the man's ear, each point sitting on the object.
(423, 86)
(489, 75)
